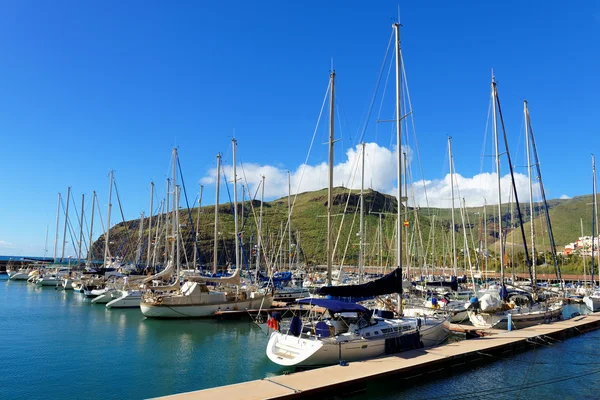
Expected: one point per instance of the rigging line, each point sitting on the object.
(350, 183)
(304, 166)
(412, 118)
(345, 207)
(370, 109)
(193, 232)
(127, 230)
(484, 145)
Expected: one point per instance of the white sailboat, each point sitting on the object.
(350, 332)
(194, 298)
(592, 300)
(501, 309)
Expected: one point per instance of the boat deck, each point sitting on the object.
(410, 364)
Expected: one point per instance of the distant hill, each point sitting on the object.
(309, 228)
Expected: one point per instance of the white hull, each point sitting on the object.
(67, 284)
(288, 350)
(128, 299)
(48, 281)
(104, 296)
(520, 319)
(592, 303)
(18, 276)
(203, 310)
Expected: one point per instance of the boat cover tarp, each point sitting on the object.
(334, 305)
(391, 283)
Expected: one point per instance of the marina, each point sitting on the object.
(208, 353)
(350, 263)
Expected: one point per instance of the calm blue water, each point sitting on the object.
(58, 345)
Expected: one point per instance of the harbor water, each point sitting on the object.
(56, 344)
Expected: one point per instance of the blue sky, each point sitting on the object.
(90, 86)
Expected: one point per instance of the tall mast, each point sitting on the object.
(290, 218)
(57, 225)
(451, 161)
(66, 221)
(531, 209)
(89, 257)
(80, 230)
(216, 243)
(583, 253)
(260, 215)
(406, 245)
(485, 247)
(176, 233)
(150, 225)
(167, 212)
(361, 260)
(174, 215)
(46, 245)
(594, 216)
(500, 233)
(107, 234)
(197, 227)
(330, 180)
(138, 252)
(235, 209)
(399, 151)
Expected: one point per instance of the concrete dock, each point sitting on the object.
(406, 365)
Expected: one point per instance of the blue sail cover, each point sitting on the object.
(391, 283)
(334, 305)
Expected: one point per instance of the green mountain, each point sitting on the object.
(428, 228)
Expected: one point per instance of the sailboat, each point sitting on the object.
(502, 309)
(592, 300)
(348, 331)
(194, 298)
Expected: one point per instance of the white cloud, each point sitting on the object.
(380, 175)
(474, 190)
(6, 245)
(564, 197)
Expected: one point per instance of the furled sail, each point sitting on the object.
(391, 283)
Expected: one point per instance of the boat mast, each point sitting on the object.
(595, 217)
(89, 257)
(138, 252)
(485, 246)
(197, 227)
(290, 218)
(500, 233)
(531, 209)
(399, 161)
(583, 253)
(46, 245)
(167, 213)
(216, 243)
(260, 216)
(57, 226)
(107, 234)
(66, 220)
(330, 180)
(594, 221)
(361, 260)
(174, 222)
(235, 209)
(451, 161)
(150, 224)
(80, 231)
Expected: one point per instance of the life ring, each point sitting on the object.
(159, 300)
